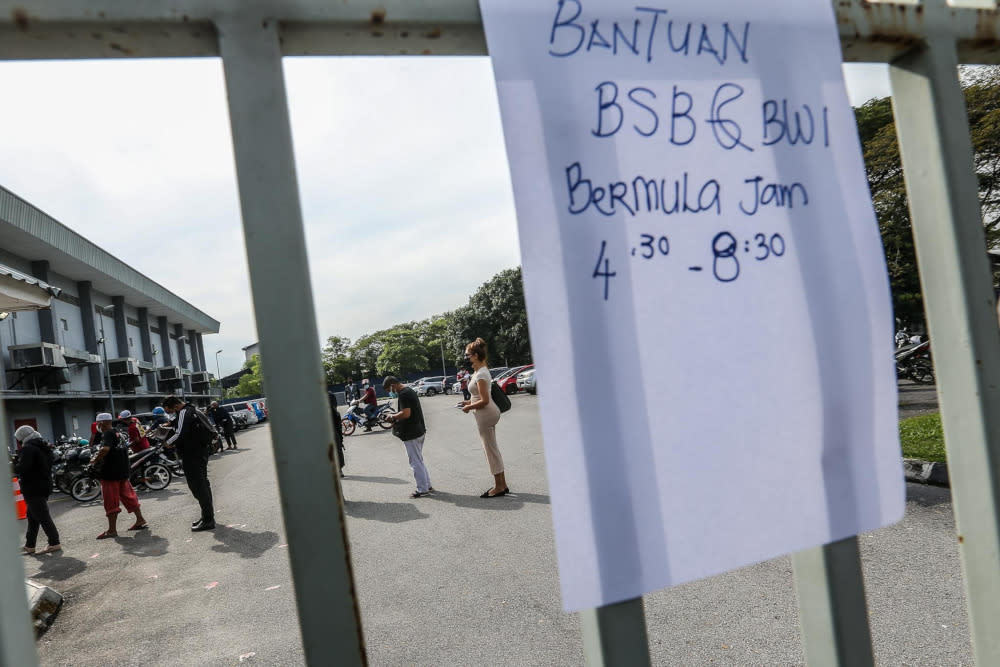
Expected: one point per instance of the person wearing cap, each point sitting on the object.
(136, 440)
(34, 474)
(222, 418)
(408, 426)
(112, 469)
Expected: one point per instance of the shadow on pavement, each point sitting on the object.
(926, 495)
(142, 543)
(375, 479)
(511, 501)
(56, 567)
(164, 494)
(243, 542)
(386, 512)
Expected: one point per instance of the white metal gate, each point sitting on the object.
(923, 42)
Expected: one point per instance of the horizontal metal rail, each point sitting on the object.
(869, 31)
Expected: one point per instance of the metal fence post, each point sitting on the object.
(17, 643)
(833, 614)
(615, 634)
(936, 150)
(301, 429)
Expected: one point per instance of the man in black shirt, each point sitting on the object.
(408, 426)
(112, 468)
(194, 447)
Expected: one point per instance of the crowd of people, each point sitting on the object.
(409, 426)
(190, 434)
(194, 438)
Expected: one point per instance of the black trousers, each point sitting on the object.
(227, 428)
(38, 515)
(196, 473)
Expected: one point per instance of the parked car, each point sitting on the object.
(526, 381)
(240, 413)
(508, 381)
(433, 385)
(257, 407)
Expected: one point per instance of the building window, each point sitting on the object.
(65, 324)
(130, 343)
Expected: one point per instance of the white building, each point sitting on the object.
(52, 359)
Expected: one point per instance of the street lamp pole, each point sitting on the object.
(217, 369)
(443, 371)
(107, 369)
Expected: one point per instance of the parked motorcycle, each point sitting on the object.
(914, 362)
(145, 470)
(355, 416)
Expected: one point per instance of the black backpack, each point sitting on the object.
(202, 430)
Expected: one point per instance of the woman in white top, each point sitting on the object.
(487, 414)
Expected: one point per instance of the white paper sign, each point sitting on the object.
(708, 299)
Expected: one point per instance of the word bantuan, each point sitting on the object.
(649, 35)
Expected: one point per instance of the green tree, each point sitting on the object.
(337, 361)
(877, 131)
(365, 353)
(251, 383)
(402, 352)
(497, 314)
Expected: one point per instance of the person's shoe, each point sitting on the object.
(27, 550)
(52, 548)
(203, 525)
(195, 523)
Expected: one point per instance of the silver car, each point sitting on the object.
(431, 386)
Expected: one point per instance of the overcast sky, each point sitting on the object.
(400, 158)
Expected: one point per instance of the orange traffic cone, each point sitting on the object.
(22, 507)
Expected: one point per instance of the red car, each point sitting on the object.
(508, 380)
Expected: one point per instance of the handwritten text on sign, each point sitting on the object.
(696, 234)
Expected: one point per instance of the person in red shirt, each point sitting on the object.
(136, 440)
(371, 404)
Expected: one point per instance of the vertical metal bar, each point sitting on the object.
(615, 634)
(833, 614)
(17, 642)
(933, 129)
(301, 430)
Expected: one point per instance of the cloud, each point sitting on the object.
(402, 173)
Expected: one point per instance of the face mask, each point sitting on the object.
(393, 394)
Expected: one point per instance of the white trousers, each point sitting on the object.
(415, 452)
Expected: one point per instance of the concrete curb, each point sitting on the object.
(44, 604)
(925, 472)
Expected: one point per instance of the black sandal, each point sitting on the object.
(419, 494)
(487, 494)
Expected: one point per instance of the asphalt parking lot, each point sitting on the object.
(449, 579)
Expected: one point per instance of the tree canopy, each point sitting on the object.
(496, 312)
(877, 131)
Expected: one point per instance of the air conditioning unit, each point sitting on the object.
(168, 374)
(36, 355)
(126, 366)
(201, 378)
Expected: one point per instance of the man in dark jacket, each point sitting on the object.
(338, 429)
(223, 420)
(34, 473)
(194, 450)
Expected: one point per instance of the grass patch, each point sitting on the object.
(923, 438)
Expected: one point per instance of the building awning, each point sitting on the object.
(19, 291)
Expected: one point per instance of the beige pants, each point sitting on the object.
(486, 421)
